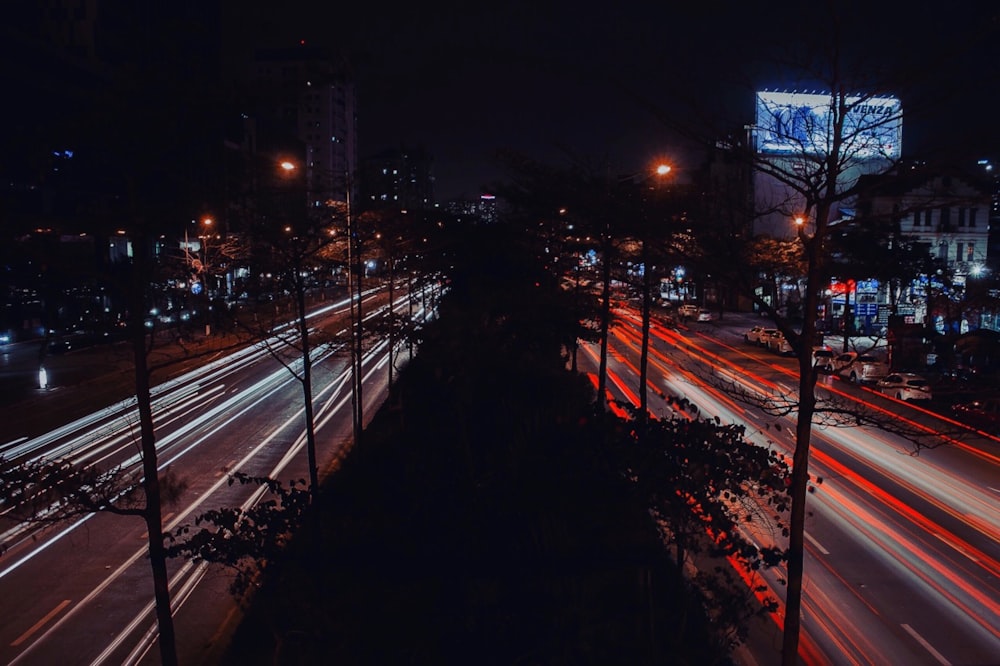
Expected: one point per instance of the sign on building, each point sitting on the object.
(802, 123)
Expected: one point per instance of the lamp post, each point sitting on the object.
(660, 173)
(204, 236)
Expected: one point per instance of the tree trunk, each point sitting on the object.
(644, 355)
(602, 373)
(392, 328)
(307, 393)
(799, 490)
(151, 480)
(359, 352)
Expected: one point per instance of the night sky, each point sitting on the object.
(549, 79)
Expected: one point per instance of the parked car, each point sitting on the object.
(704, 315)
(864, 369)
(688, 311)
(904, 386)
(757, 334)
(776, 342)
(982, 414)
(823, 358)
(841, 361)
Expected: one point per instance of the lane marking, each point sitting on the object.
(816, 543)
(927, 646)
(38, 625)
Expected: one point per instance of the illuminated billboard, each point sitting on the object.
(801, 123)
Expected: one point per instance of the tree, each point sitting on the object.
(582, 202)
(704, 485)
(812, 155)
(293, 247)
(45, 490)
(817, 175)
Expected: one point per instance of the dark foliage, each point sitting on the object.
(484, 520)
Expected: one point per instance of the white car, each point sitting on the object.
(904, 386)
(688, 310)
(756, 335)
(704, 315)
(823, 358)
(776, 342)
(863, 368)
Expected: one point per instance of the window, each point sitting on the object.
(961, 216)
(945, 218)
(972, 217)
(970, 255)
(927, 218)
(958, 252)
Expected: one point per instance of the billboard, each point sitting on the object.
(801, 123)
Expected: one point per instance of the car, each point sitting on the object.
(756, 335)
(688, 311)
(704, 315)
(904, 386)
(864, 369)
(841, 361)
(983, 414)
(823, 358)
(776, 342)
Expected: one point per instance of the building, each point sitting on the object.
(301, 106)
(485, 209)
(947, 211)
(398, 179)
(110, 118)
(795, 131)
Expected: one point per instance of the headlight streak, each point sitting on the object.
(335, 386)
(328, 411)
(81, 449)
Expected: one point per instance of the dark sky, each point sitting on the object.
(465, 80)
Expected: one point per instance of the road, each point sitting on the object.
(81, 592)
(903, 547)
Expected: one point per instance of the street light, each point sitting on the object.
(206, 222)
(660, 173)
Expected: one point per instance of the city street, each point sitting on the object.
(81, 592)
(903, 549)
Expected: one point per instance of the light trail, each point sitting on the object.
(846, 498)
(219, 415)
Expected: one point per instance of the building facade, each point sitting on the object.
(398, 179)
(303, 107)
(946, 211)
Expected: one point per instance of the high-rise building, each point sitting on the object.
(398, 179)
(303, 107)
